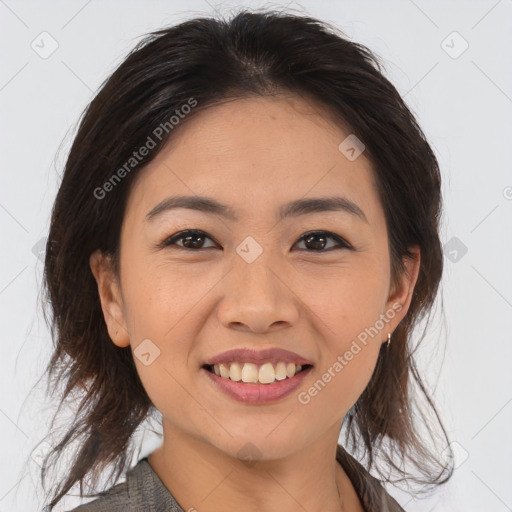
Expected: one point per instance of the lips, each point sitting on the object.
(257, 376)
(258, 357)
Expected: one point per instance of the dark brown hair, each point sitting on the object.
(212, 60)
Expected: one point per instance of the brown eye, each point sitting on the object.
(317, 241)
(192, 240)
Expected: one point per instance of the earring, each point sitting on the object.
(389, 340)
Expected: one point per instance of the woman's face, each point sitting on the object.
(255, 279)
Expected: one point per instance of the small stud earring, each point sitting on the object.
(389, 339)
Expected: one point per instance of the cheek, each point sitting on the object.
(342, 376)
(350, 301)
(349, 309)
(162, 306)
(157, 299)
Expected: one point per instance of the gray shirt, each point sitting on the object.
(143, 491)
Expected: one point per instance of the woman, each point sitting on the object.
(244, 238)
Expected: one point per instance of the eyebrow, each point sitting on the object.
(291, 209)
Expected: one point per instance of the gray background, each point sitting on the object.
(463, 100)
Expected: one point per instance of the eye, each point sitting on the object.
(317, 240)
(192, 239)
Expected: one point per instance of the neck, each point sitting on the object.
(203, 478)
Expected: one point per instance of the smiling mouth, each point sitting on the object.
(250, 373)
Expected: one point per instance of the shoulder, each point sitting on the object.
(115, 499)
(142, 490)
(370, 490)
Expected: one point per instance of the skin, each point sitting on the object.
(253, 154)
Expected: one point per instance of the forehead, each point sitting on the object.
(255, 153)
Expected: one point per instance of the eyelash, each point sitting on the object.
(195, 232)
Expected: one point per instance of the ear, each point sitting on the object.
(111, 298)
(400, 294)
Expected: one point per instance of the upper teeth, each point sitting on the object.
(249, 372)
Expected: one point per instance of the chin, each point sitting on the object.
(253, 445)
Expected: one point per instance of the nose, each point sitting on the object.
(257, 298)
